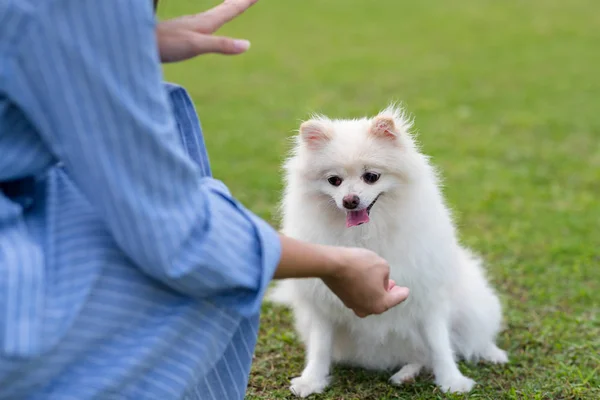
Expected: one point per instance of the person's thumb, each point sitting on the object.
(220, 44)
(395, 296)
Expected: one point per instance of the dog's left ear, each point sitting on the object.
(384, 127)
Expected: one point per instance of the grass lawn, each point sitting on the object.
(506, 96)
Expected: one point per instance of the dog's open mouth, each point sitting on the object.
(355, 218)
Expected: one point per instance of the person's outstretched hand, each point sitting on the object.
(362, 283)
(186, 37)
(359, 277)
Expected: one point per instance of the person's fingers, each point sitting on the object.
(386, 278)
(211, 20)
(391, 284)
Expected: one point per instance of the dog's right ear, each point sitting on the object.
(314, 133)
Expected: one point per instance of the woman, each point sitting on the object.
(126, 271)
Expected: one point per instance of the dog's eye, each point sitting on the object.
(335, 180)
(370, 177)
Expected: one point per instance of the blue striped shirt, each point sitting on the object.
(126, 270)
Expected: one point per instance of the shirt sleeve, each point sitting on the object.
(88, 75)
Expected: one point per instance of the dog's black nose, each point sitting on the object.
(351, 201)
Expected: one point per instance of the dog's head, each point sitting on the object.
(354, 163)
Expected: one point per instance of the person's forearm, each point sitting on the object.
(306, 260)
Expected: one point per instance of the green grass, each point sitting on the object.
(506, 100)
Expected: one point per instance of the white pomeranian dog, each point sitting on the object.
(364, 183)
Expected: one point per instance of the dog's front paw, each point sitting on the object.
(406, 374)
(304, 386)
(459, 384)
(495, 355)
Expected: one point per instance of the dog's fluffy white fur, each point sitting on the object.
(452, 312)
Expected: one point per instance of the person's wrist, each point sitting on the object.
(335, 262)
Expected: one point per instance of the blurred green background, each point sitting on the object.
(505, 96)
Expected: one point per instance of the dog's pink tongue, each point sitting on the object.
(354, 218)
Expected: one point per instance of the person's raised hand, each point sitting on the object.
(186, 37)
